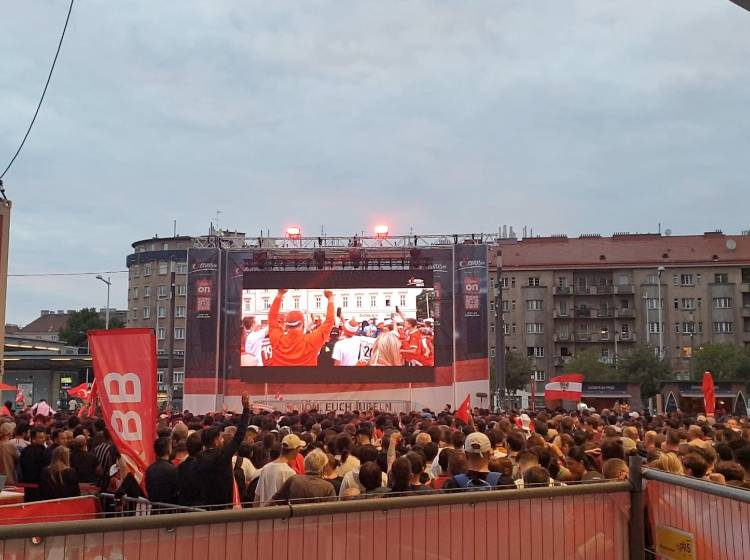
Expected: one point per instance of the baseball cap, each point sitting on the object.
(254, 428)
(294, 319)
(292, 441)
(477, 442)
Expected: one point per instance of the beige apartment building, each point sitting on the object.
(563, 295)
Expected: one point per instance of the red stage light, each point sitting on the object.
(294, 232)
(381, 231)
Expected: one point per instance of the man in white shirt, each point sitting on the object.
(254, 340)
(275, 473)
(347, 351)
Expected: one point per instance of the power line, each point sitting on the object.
(71, 273)
(41, 99)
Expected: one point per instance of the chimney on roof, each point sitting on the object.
(45, 312)
(60, 312)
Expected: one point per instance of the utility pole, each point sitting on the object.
(170, 339)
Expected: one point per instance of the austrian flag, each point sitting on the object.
(568, 387)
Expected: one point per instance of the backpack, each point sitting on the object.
(464, 481)
(239, 478)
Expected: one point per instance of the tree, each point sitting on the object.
(642, 366)
(589, 363)
(726, 362)
(518, 371)
(80, 322)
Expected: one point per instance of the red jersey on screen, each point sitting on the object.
(266, 352)
(295, 348)
(426, 351)
(410, 346)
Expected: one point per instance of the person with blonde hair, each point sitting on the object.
(59, 480)
(386, 351)
(669, 462)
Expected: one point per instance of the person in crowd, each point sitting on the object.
(188, 480)
(33, 459)
(83, 461)
(162, 484)
(273, 475)
(9, 455)
(214, 467)
(308, 487)
(58, 479)
(386, 351)
(42, 408)
(291, 345)
(615, 469)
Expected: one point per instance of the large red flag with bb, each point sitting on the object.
(125, 374)
(463, 413)
(568, 387)
(709, 394)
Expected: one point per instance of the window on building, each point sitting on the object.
(373, 300)
(700, 327)
(178, 376)
(676, 303)
(652, 279)
(677, 328)
(539, 351)
(165, 246)
(624, 304)
(505, 306)
(160, 333)
(161, 312)
(534, 304)
(540, 375)
(687, 280)
(181, 289)
(181, 268)
(699, 303)
(247, 305)
(721, 278)
(402, 300)
(318, 302)
(513, 328)
(506, 328)
(344, 301)
(358, 301)
(388, 300)
(163, 268)
(722, 302)
(535, 328)
(676, 279)
(624, 331)
(653, 303)
(146, 291)
(534, 281)
(723, 327)
(146, 312)
(688, 327)
(653, 327)
(147, 269)
(162, 291)
(179, 333)
(135, 271)
(688, 303)
(160, 376)
(505, 282)
(134, 313)
(266, 303)
(179, 311)
(295, 302)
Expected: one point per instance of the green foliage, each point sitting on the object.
(726, 362)
(589, 363)
(518, 370)
(642, 366)
(80, 322)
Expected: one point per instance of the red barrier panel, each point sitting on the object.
(69, 509)
(587, 527)
(715, 527)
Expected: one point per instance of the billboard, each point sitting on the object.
(281, 324)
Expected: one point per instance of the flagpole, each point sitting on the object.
(533, 394)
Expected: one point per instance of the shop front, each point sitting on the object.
(687, 397)
(608, 395)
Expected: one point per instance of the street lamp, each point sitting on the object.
(108, 282)
(661, 323)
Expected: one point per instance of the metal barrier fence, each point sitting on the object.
(589, 522)
(692, 518)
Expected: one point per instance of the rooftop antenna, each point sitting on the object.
(174, 228)
(218, 213)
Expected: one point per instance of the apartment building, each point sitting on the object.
(561, 296)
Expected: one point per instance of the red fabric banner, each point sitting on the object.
(464, 413)
(709, 394)
(81, 391)
(125, 373)
(68, 509)
(568, 387)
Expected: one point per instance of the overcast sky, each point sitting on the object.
(567, 116)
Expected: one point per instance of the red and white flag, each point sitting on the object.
(81, 391)
(568, 387)
(464, 413)
(125, 373)
(20, 398)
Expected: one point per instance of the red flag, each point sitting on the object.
(20, 399)
(463, 412)
(81, 391)
(709, 395)
(125, 373)
(568, 387)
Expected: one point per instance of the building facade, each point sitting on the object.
(561, 296)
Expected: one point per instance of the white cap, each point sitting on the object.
(477, 442)
(292, 441)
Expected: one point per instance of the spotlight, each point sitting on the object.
(381, 231)
(294, 232)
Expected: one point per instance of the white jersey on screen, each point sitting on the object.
(348, 351)
(253, 344)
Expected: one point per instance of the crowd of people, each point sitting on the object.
(288, 339)
(256, 458)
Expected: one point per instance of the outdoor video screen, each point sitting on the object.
(338, 327)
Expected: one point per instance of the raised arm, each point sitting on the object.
(274, 328)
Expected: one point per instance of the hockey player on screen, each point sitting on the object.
(352, 349)
(290, 344)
